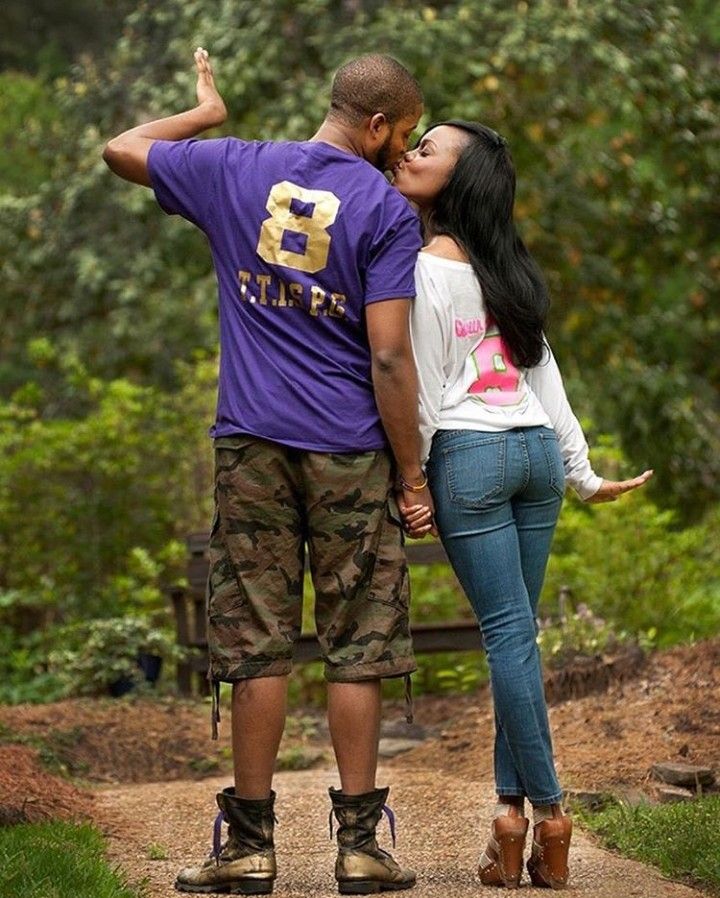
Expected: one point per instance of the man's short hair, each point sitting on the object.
(371, 84)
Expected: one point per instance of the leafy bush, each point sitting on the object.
(107, 651)
(93, 507)
(24, 673)
(584, 635)
(633, 565)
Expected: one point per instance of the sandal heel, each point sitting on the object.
(548, 863)
(502, 862)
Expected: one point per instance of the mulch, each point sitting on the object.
(50, 755)
(29, 794)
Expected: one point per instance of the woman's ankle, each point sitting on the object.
(546, 812)
(510, 805)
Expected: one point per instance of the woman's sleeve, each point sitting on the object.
(429, 348)
(546, 382)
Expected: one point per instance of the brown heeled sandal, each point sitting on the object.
(548, 863)
(501, 862)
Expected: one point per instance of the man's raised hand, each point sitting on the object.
(207, 94)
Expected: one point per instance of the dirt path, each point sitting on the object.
(442, 823)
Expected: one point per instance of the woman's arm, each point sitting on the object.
(127, 154)
(546, 382)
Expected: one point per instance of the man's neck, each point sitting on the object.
(340, 136)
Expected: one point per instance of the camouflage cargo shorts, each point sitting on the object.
(272, 500)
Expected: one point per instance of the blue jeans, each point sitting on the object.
(497, 500)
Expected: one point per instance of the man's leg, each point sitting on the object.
(258, 719)
(354, 720)
(254, 613)
(361, 611)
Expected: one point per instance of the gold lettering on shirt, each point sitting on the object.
(296, 294)
(270, 290)
(317, 300)
(263, 280)
(244, 278)
(286, 219)
(337, 310)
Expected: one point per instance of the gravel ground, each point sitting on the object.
(442, 825)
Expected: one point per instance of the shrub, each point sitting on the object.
(107, 651)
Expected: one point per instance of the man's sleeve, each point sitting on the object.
(183, 174)
(391, 269)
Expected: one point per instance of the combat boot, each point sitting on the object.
(245, 864)
(362, 867)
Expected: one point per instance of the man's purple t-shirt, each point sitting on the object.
(303, 236)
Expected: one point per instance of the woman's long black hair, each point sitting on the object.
(476, 209)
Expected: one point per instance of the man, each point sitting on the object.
(314, 254)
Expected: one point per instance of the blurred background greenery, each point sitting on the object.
(108, 338)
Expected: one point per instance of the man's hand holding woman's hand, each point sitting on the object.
(417, 513)
(207, 94)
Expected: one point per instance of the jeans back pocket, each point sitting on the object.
(553, 457)
(475, 468)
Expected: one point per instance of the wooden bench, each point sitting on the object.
(189, 608)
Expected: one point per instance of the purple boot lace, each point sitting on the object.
(217, 834)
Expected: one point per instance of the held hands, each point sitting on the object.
(208, 97)
(610, 490)
(417, 510)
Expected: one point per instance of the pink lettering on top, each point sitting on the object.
(469, 328)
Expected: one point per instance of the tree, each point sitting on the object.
(610, 110)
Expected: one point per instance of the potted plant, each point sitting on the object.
(115, 655)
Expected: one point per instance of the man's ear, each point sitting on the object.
(377, 125)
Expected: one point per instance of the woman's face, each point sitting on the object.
(421, 174)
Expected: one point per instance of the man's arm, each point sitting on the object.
(396, 390)
(127, 154)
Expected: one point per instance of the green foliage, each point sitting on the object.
(24, 674)
(44, 36)
(135, 467)
(611, 111)
(297, 757)
(631, 564)
(29, 129)
(104, 651)
(437, 595)
(58, 859)
(157, 852)
(456, 676)
(584, 635)
(666, 836)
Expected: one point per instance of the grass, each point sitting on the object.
(157, 852)
(680, 839)
(57, 860)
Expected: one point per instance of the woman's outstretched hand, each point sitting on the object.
(207, 94)
(610, 490)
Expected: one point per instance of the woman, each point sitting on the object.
(501, 441)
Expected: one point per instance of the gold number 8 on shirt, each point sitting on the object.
(313, 227)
